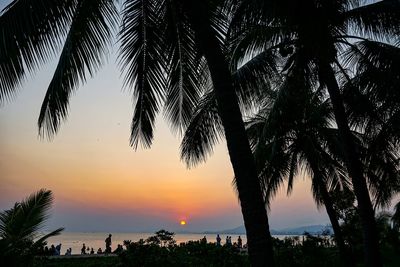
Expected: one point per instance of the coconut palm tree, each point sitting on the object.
(316, 32)
(164, 43)
(300, 125)
(294, 134)
(292, 128)
(371, 98)
(20, 239)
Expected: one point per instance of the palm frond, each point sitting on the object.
(185, 68)
(143, 59)
(377, 20)
(41, 241)
(254, 40)
(203, 132)
(256, 78)
(27, 217)
(84, 51)
(31, 32)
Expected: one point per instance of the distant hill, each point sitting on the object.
(312, 229)
(238, 230)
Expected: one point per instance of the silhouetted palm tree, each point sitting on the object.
(314, 33)
(164, 46)
(371, 99)
(292, 128)
(20, 226)
(294, 134)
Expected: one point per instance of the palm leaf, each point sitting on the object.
(41, 241)
(203, 132)
(31, 32)
(185, 71)
(27, 217)
(378, 20)
(142, 57)
(84, 49)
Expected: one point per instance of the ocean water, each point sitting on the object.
(96, 240)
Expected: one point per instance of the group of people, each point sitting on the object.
(52, 251)
(228, 241)
(56, 250)
(86, 250)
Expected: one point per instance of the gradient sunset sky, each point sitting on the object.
(101, 184)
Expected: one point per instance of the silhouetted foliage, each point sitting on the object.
(20, 239)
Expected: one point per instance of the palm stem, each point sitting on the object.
(249, 189)
(354, 167)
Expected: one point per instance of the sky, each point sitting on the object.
(101, 184)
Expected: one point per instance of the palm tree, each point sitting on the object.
(291, 130)
(294, 134)
(293, 113)
(19, 227)
(371, 98)
(315, 32)
(163, 45)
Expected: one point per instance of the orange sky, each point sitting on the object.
(92, 170)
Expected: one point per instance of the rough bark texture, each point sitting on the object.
(249, 189)
(354, 167)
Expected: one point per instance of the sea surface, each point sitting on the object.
(96, 240)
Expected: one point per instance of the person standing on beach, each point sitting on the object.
(108, 244)
(239, 242)
(218, 240)
(83, 249)
(58, 250)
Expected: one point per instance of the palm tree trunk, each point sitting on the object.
(248, 186)
(354, 167)
(344, 254)
(328, 203)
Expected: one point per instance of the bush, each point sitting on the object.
(187, 254)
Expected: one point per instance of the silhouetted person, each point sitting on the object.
(229, 241)
(52, 250)
(40, 251)
(83, 249)
(239, 242)
(69, 252)
(218, 240)
(58, 249)
(119, 249)
(203, 240)
(92, 251)
(99, 251)
(108, 244)
(46, 251)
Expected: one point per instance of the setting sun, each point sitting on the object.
(183, 222)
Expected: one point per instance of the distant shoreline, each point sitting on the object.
(311, 229)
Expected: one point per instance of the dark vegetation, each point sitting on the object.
(317, 80)
(20, 244)
(318, 251)
(20, 240)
